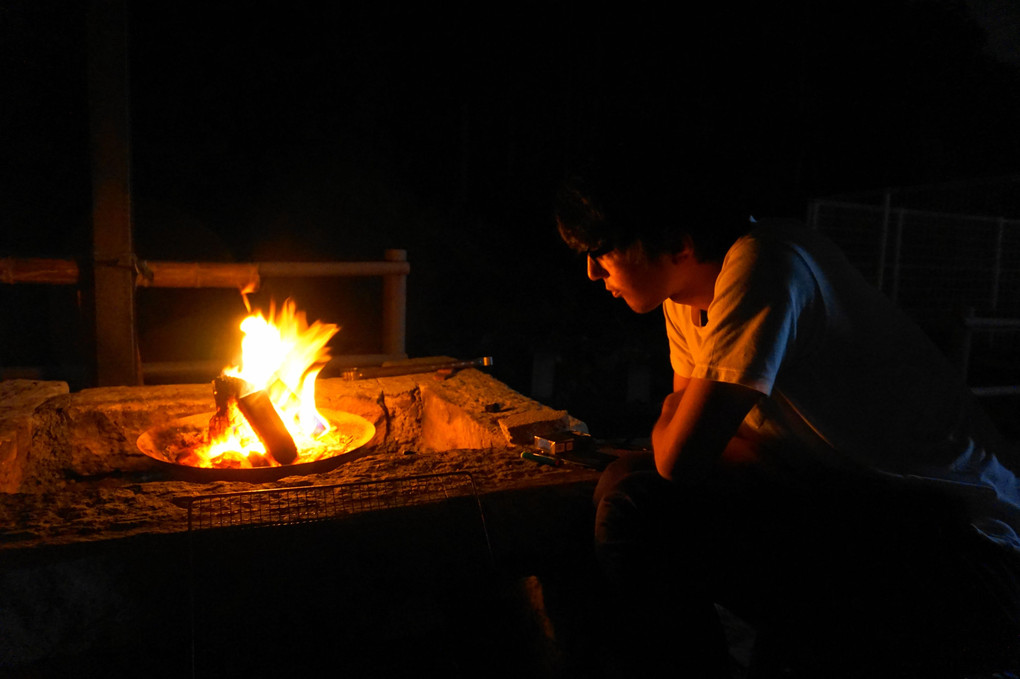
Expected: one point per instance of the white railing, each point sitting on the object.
(936, 264)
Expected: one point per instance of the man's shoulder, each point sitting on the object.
(782, 239)
(767, 240)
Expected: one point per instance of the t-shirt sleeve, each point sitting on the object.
(753, 320)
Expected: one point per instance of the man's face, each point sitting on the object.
(642, 282)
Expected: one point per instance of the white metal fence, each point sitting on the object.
(923, 259)
(939, 265)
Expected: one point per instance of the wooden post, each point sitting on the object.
(394, 321)
(117, 361)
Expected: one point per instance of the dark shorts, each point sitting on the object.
(864, 572)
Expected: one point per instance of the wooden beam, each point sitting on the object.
(150, 274)
(38, 270)
(117, 361)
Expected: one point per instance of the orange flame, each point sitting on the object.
(282, 356)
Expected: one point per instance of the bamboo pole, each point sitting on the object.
(195, 274)
(51, 271)
(206, 370)
(340, 269)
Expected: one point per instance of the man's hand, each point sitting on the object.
(697, 422)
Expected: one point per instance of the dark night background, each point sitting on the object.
(306, 131)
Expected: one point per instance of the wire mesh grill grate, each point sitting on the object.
(308, 504)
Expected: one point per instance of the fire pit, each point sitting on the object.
(266, 424)
(82, 504)
(173, 448)
(117, 442)
(98, 488)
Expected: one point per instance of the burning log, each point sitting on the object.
(261, 414)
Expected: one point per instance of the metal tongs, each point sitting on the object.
(413, 368)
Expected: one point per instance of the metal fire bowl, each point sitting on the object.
(155, 443)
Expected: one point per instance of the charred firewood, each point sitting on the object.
(186, 457)
(258, 459)
(225, 390)
(230, 460)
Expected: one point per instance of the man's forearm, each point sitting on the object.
(669, 406)
(678, 457)
(695, 426)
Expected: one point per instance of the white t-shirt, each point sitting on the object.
(850, 381)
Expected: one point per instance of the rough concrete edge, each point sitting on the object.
(117, 415)
(376, 399)
(514, 419)
(447, 425)
(21, 399)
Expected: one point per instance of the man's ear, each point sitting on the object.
(685, 252)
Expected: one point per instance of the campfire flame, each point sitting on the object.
(281, 355)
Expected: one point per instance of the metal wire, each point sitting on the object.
(308, 504)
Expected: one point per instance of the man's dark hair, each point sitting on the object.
(657, 190)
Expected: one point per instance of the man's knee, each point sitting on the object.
(631, 501)
(620, 473)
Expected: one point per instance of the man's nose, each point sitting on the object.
(595, 270)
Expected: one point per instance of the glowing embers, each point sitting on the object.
(265, 407)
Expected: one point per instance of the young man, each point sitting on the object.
(819, 469)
